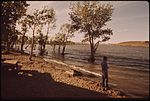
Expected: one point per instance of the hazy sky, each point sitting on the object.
(130, 19)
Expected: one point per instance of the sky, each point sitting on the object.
(130, 19)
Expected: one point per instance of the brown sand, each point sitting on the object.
(40, 79)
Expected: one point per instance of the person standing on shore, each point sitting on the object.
(105, 67)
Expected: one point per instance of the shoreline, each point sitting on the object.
(59, 75)
(120, 75)
(145, 46)
(132, 44)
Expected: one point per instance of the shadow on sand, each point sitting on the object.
(27, 84)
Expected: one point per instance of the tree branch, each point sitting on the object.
(96, 46)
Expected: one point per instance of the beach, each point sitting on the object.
(78, 86)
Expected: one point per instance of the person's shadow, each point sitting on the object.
(27, 84)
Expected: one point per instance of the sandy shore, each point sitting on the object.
(60, 85)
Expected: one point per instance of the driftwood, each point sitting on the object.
(72, 72)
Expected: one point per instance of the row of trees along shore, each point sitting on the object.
(86, 17)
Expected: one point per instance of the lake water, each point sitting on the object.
(134, 57)
(129, 66)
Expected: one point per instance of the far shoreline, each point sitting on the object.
(125, 43)
(134, 43)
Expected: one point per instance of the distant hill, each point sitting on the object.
(81, 43)
(134, 43)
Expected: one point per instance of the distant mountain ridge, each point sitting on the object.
(134, 43)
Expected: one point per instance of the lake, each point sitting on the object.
(129, 66)
(134, 57)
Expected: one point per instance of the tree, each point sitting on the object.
(33, 21)
(11, 11)
(90, 18)
(41, 42)
(67, 33)
(24, 28)
(64, 35)
(37, 20)
(57, 41)
(53, 43)
(13, 39)
(49, 22)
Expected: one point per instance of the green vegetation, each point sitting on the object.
(63, 36)
(36, 21)
(90, 18)
(24, 29)
(11, 12)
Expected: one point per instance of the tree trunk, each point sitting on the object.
(22, 43)
(44, 44)
(13, 40)
(59, 49)
(54, 48)
(92, 56)
(12, 44)
(96, 46)
(40, 46)
(7, 46)
(32, 45)
(63, 51)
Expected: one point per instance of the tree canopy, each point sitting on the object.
(36, 22)
(90, 18)
(11, 11)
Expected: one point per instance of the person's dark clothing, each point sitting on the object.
(104, 74)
